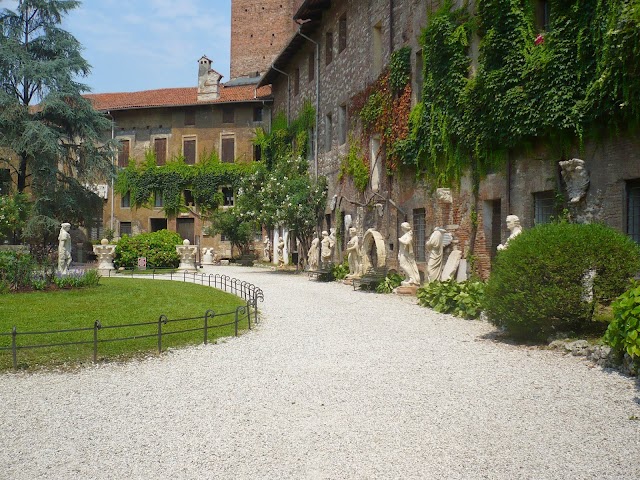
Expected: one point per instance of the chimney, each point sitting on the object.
(208, 81)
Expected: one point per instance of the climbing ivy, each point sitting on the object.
(203, 179)
(356, 166)
(559, 87)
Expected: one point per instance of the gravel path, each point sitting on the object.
(334, 384)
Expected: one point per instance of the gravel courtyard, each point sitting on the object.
(333, 384)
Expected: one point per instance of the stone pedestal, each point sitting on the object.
(207, 256)
(187, 254)
(406, 290)
(105, 254)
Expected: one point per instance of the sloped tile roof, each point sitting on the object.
(173, 97)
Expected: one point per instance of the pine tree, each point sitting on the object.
(53, 133)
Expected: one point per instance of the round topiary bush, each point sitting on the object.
(158, 247)
(552, 277)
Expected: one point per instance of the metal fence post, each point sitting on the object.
(96, 326)
(249, 314)
(236, 320)
(162, 319)
(14, 348)
(209, 314)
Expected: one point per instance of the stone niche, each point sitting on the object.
(374, 252)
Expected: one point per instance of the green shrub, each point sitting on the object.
(16, 270)
(77, 279)
(623, 334)
(392, 280)
(158, 247)
(340, 270)
(538, 286)
(463, 299)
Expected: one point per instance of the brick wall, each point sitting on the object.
(259, 31)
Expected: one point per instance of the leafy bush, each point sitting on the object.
(463, 299)
(77, 279)
(623, 334)
(391, 281)
(340, 270)
(158, 247)
(16, 270)
(552, 278)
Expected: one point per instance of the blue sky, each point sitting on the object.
(147, 44)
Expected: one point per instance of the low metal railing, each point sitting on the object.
(206, 322)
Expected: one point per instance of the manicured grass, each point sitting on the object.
(116, 301)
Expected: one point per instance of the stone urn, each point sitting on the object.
(105, 254)
(187, 254)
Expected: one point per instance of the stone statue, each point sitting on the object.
(513, 224)
(576, 178)
(353, 254)
(207, 256)
(325, 249)
(453, 262)
(435, 247)
(332, 241)
(64, 249)
(105, 254)
(266, 256)
(280, 251)
(406, 257)
(187, 254)
(312, 256)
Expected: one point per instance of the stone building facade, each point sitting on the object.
(188, 122)
(340, 48)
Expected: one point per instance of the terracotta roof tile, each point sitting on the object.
(172, 97)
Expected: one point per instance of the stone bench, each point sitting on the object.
(371, 278)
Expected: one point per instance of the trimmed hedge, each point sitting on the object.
(539, 285)
(158, 247)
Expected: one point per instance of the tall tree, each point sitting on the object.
(53, 132)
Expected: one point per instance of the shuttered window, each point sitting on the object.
(228, 149)
(160, 149)
(342, 33)
(228, 115)
(123, 153)
(189, 151)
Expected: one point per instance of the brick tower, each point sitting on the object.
(259, 31)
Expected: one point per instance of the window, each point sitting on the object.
(125, 228)
(189, 150)
(328, 48)
(312, 66)
(311, 147)
(541, 12)
(328, 130)
(5, 181)
(123, 153)
(227, 193)
(257, 153)
(419, 234)
(296, 82)
(342, 33)
(158, 201)
(228, 114)
(342, 125)
(160, 149)
(419, 75)
(158, 224)
(633, 209)
(377, 49)
(96, 231)
(125, 201)
(190, 117)
(492, 224)
(543, 207)
(257, 114)
(188, 198)
(228, 153)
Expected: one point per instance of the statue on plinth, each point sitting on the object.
(280, 251)
(187, 254)
(513, 224)
(312, 255)
(406, 257)
(435, 248)
(354, 255)
(325, 249)
(105, 254)
(266, 254)
(64, 249)
(207, 256)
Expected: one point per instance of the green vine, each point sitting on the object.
(204, 180)
(355, 165)
(580, 74)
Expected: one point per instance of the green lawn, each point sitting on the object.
(116, 301)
